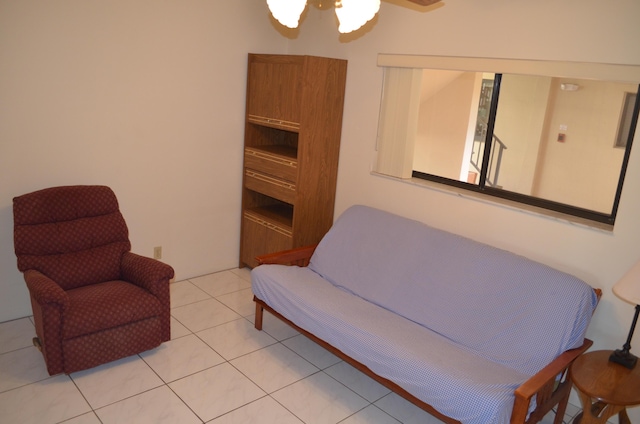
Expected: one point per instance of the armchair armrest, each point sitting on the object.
(49, 303)
(153, 276)
(44, 290)
(145, 272)
(299, 256)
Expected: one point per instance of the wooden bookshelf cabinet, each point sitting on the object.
(292, 142)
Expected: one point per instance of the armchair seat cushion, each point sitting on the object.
(107, 305)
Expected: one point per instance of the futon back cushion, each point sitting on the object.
(75, 235)
(507, 308)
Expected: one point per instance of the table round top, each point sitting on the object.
(612, 383)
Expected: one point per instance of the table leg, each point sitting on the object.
(623, 418)
(598, 412)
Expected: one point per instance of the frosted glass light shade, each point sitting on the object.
(287, 12)
(628, 288)
(352, 14)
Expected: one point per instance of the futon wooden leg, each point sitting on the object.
(562, 408)
(258, 318)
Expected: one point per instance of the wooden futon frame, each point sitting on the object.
(550, 386)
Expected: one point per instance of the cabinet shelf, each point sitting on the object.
(274, 123)
(271, 186)
(278, 161)
(268, 137)
(284, 153)
(280, 216)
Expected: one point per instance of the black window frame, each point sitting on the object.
(481, 186)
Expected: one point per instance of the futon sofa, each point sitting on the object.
(468, 332)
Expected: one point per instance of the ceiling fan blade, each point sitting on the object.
(424, 2)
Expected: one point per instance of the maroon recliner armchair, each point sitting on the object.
(93, 300)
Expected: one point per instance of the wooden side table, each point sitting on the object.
(605, 388)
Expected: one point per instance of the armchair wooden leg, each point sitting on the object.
(36, 343)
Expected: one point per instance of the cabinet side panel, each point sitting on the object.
(319, 147)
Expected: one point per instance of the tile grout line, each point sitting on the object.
(566, 419)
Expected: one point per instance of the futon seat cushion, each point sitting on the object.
(107, 305)
(448, 376)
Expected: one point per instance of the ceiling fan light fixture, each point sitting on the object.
(287, 12)
(352, 14)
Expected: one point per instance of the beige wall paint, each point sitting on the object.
(144, 96)
(148, 98)
(443, 125)
(586, 163)
(519, 124)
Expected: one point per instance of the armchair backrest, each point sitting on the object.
(75, 235)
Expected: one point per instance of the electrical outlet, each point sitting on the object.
(157, 252)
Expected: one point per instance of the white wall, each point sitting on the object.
(144, 96)
(590, 31)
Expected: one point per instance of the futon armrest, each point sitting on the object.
(551, 371)
(547, 386)
(299, 256)
(44, 290)
(544, 383)
(145, 272)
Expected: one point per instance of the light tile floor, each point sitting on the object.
(216, 369)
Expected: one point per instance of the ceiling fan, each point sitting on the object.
(352, 14)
